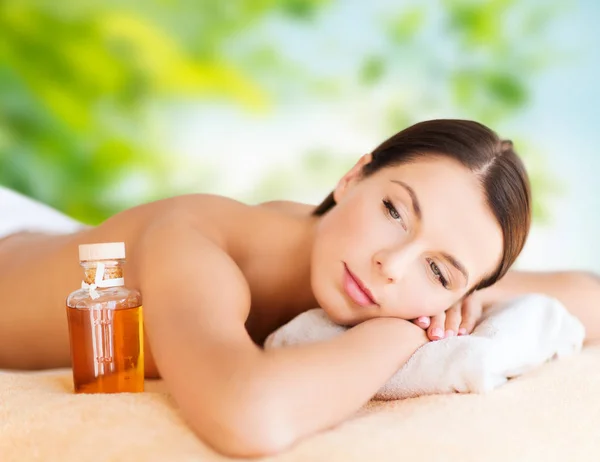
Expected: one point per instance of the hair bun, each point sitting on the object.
(506, 145)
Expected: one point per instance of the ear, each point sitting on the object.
(350, 178)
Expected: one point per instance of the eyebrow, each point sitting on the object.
(458, 265)
(416, 206)
(413, 197)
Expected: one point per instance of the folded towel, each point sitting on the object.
(20, 213)
(510, 339)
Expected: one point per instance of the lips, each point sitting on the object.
(356, 290)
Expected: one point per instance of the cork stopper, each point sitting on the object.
(110, 272)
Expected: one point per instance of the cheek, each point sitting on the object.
(360, 224)
(415, 297)
(343, 229)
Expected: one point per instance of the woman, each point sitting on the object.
(436, 213)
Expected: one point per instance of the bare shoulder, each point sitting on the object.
(229, 222)
(224, 221)
(214, 215)
(290, 207)
(208, 212)
(193, 205)
(231, 225)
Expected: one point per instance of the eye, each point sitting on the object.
(393, 212)
(438, 274)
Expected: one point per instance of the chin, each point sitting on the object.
(341, 317)
(345, 314)
(335, 308)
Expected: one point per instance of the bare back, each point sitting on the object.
(38, 271)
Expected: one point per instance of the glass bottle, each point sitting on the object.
(105, 324)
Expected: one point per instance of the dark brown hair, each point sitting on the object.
(499, 169)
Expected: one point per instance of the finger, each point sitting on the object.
(436, 328)
(423, 322)
(453, 319)
(471, 312)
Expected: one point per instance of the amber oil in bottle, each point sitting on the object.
(105, 324)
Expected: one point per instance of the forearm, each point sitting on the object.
(280, 396)
(577, 290)
(318, 385)
(252, 402)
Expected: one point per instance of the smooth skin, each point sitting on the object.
(217, 276)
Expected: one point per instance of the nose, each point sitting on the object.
(394, 263)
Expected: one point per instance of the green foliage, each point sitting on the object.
(495, 85)
(482, 63)
(80, 84)
(316, 171)
(84, 86)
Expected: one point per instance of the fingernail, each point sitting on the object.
(462, 331)
(437, 332)
(450, 333)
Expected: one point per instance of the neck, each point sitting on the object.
(278, 263)
(279, 271)
(298, 246)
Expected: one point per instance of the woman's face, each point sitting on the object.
(408, 241)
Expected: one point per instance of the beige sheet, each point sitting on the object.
(551, 414)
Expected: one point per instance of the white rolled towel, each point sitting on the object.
(510, 339)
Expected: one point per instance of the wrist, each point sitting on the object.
(387, 321)
(397, 326)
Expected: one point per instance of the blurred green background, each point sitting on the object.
(106, 105)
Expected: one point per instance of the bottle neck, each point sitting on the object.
(113, 269)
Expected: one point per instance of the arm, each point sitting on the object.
(239, 399)
(579, 291)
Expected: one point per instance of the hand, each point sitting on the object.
(459, 319)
